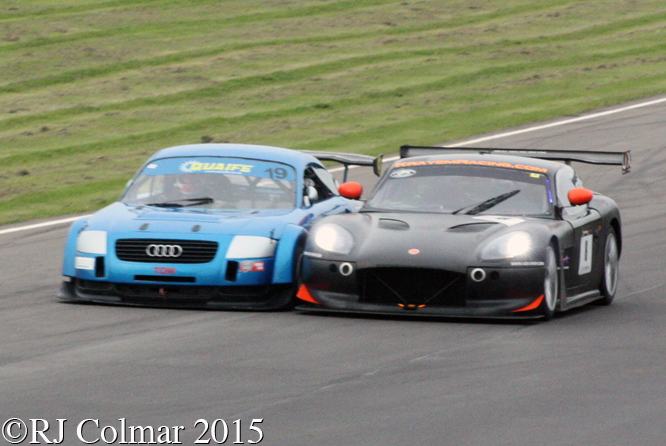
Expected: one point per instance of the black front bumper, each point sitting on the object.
(423, 291)
(261, 297)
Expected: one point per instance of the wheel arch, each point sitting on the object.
(556, 242)
(68, 262)
(615, 224)
(561, 289)
(292, 238)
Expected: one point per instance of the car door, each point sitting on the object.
(578, 259)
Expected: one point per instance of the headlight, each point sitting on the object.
(251, 247)
(334, 238)
(91, 242)
(508, 246)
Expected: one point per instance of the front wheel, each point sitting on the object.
(611, 271)
(551, 284)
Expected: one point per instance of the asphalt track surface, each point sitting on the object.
(593, 376)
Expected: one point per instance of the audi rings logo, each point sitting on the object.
(164, 250)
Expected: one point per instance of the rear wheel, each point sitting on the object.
(551, 284)
(611, 271)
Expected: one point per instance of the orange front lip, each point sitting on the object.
(531, 306)
(305, 295)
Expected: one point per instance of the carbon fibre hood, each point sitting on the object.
(420, 240)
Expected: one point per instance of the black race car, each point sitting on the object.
(472, 232)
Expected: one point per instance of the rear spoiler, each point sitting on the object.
(349, 159)
(608, 158)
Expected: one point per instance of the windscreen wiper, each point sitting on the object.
(183, 203)
(484, 206)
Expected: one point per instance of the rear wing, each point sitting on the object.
(349, 159)
(608, 158)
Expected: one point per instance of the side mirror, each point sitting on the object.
(579, 196)
(351, 190)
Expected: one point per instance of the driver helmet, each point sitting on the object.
(187, 184)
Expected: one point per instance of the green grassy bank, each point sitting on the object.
(89, 89)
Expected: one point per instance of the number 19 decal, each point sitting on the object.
(585, 258)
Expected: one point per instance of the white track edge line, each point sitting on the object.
(42, 225)
(393, 158)
(535, 128)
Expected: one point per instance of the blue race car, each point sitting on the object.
(208, 225)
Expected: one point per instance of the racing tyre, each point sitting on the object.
(551, 284)
(611, 271)
(298, 266)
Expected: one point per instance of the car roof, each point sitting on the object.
(268, 153)
(490, 160)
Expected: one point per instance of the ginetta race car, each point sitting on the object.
(470, 232)
(208, 225)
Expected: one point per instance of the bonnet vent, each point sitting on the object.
(389, 223)
(471, 227)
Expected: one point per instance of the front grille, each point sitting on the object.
(193, 251)
(131, 291)
(411, 286)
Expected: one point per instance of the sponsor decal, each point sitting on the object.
(247, 266)
(221, 165)
(196, 166)
(163, 270)
(413, 251)
(527, 264)
(403, 173)
(471, 162)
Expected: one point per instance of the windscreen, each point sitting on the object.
(214, 183)
(464, 189)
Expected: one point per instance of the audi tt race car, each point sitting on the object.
(210, 225)
(470, 232)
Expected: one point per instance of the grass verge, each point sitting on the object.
(89, 89)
